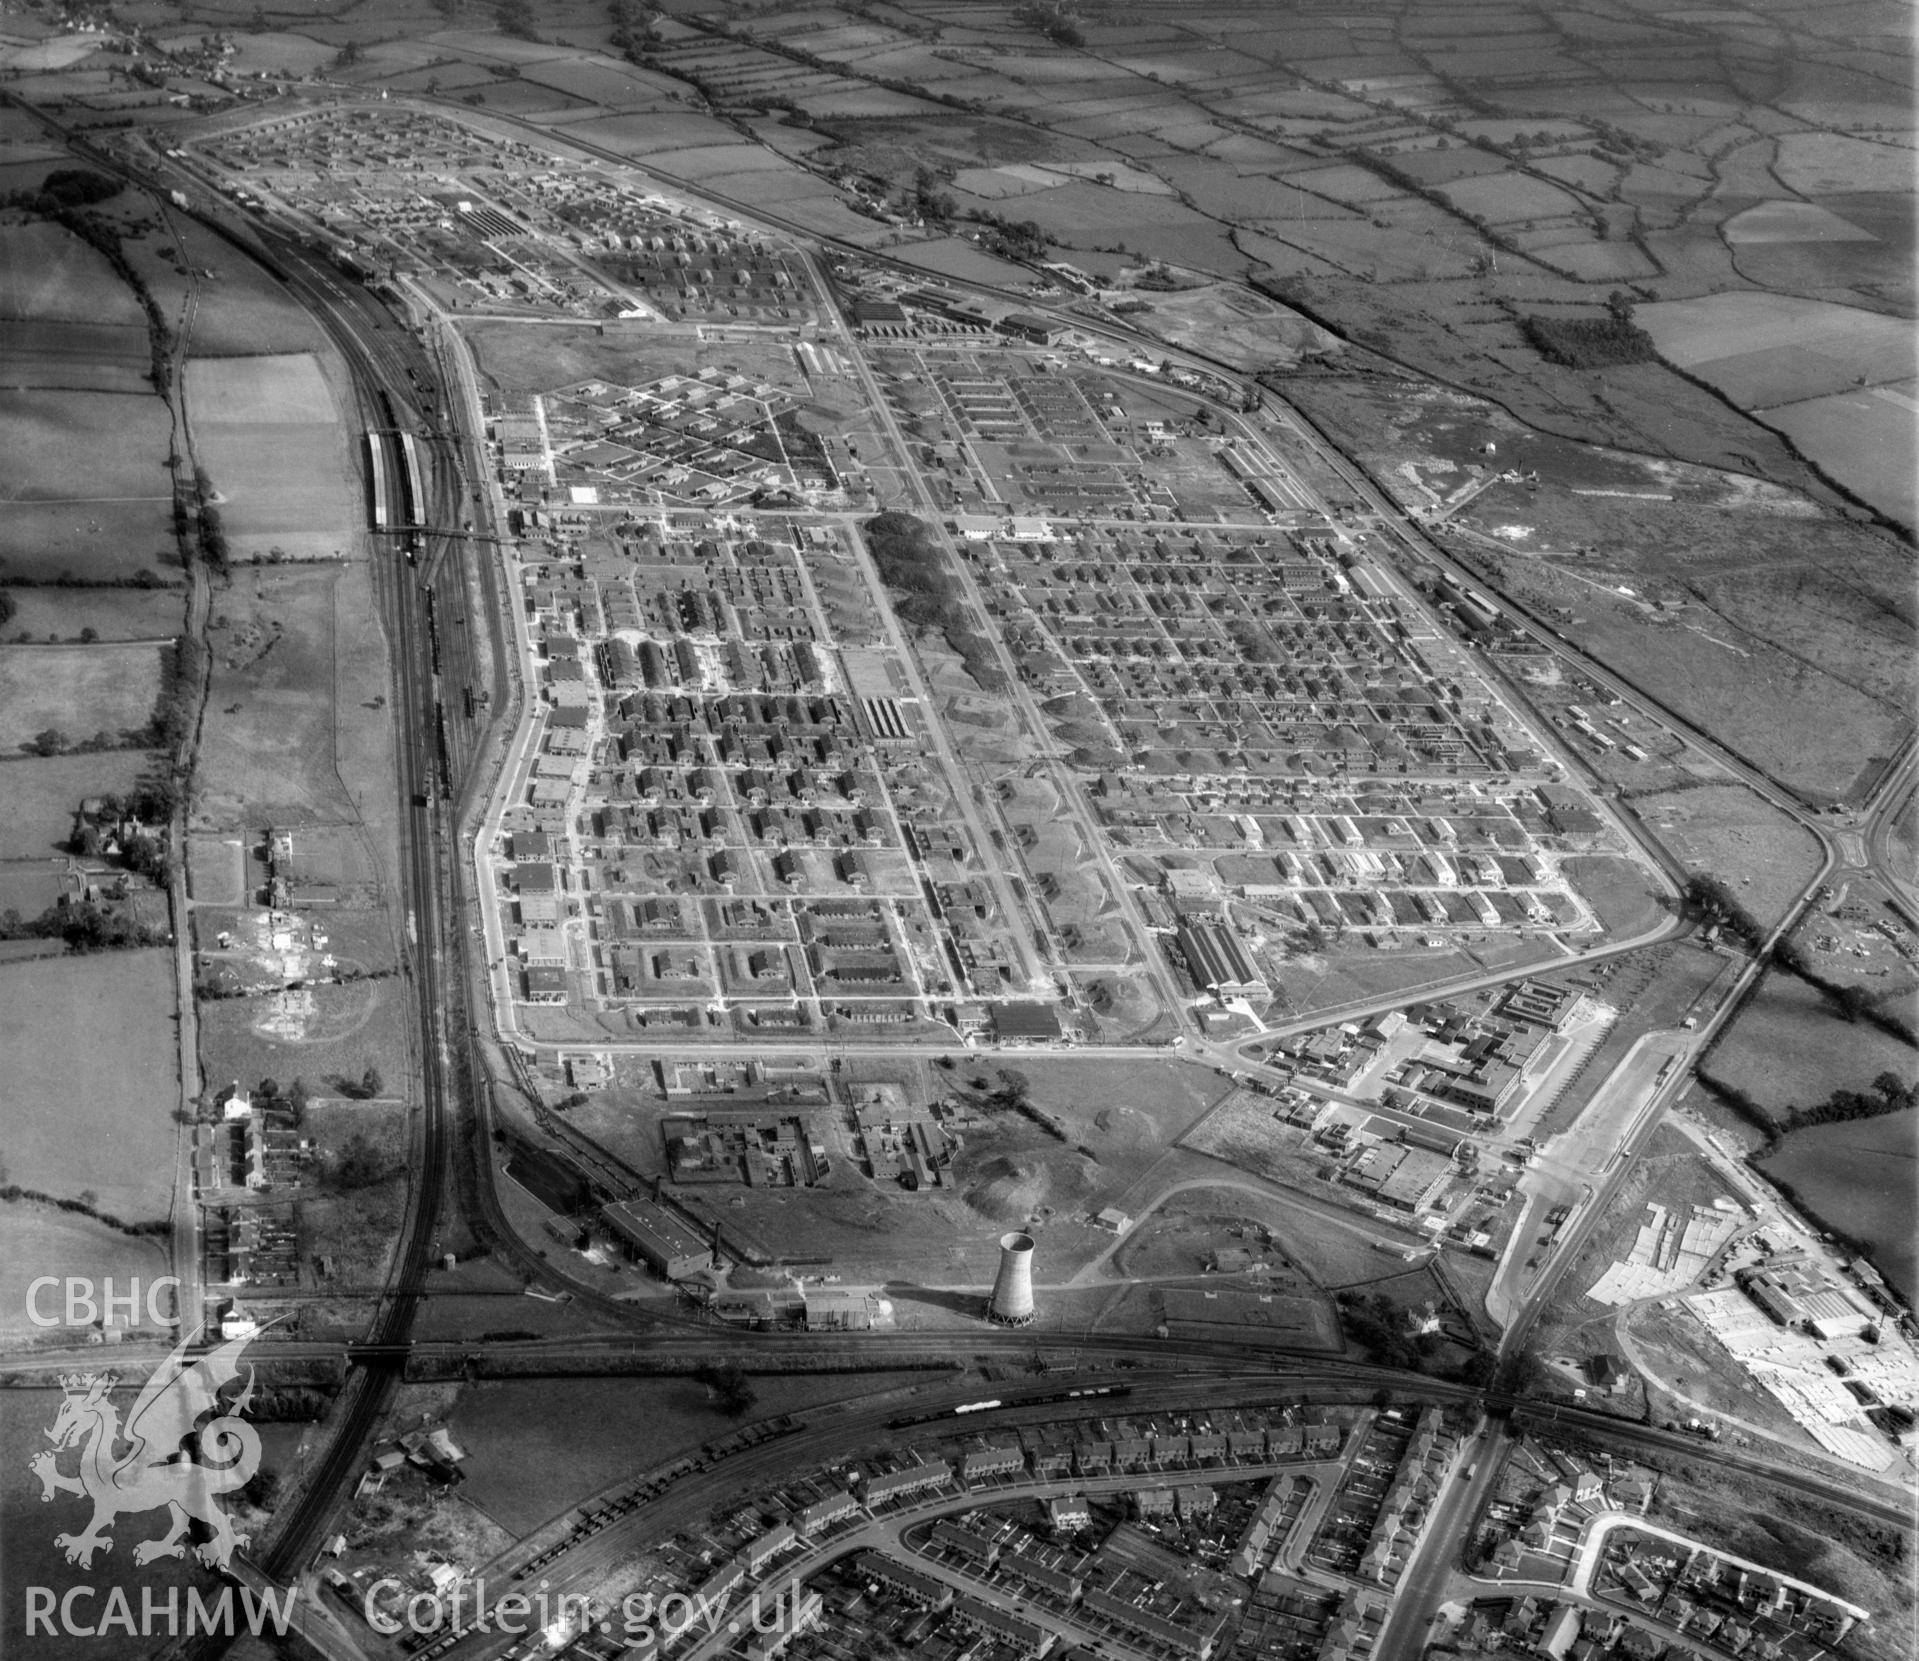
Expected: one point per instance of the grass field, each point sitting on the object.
(320, 1034)
(124, 441)
(80, 690)
(37, 1240)
(1621, 893)
(47, 273)
(1730, 832)
(269, 750)
(1865, 440)
(91, 539)
(285, 483)
(75, 357)
(112, 613)
(241, 309)
(88, 1050)
(1788, 1049)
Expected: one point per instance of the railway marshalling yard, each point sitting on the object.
(961, 773)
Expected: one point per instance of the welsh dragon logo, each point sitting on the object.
(164, 1456)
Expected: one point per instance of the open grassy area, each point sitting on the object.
(1620, 891)
(111, 613)
(78, 691)
(537, 1446)
(48, 274)
(37, 1240)
(88, 1050)
(267, 432)
(1656, 987)
(91, 539)
(1788, 1048)
(297, 661)
(318, 1033)
(1729, 832)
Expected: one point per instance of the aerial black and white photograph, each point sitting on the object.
(959, 830)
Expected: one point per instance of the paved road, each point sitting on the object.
(1402, 1637)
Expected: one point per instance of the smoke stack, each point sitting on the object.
(1012, 1300)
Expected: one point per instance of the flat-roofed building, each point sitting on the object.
(659, 1238)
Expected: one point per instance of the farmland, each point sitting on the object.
(90, 1058)
(267, 433)
(1788, 1048)
(78, 690)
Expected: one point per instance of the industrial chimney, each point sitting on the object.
(1012, 1300)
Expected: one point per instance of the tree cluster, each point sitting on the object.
(1709, 898)
(1590, 342)
(1012, 239)
(65, 187)
(358, 1165)
(914, 571)
(86, 927)
(733, 1391)
(1379, 1325)
(1053, 20)
(84, 1207)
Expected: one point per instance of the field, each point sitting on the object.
(356, 1231)
(112, 613)
(29, 1557)
(37, 1240)
(78, 690)
(1729, 832)
(43, 793)
(124, 441)
(93, 539)
(75, 357)
(1865, 440)
(267, 432)
(89, 1054)
(1621, 893)
(1837, 380)
(241, 310)
(47, 274)
(1656, 987)
(537, 1446)
(322, 1034)
(1787, 1048)
(293, 672)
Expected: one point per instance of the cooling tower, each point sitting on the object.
(1012, 1300)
